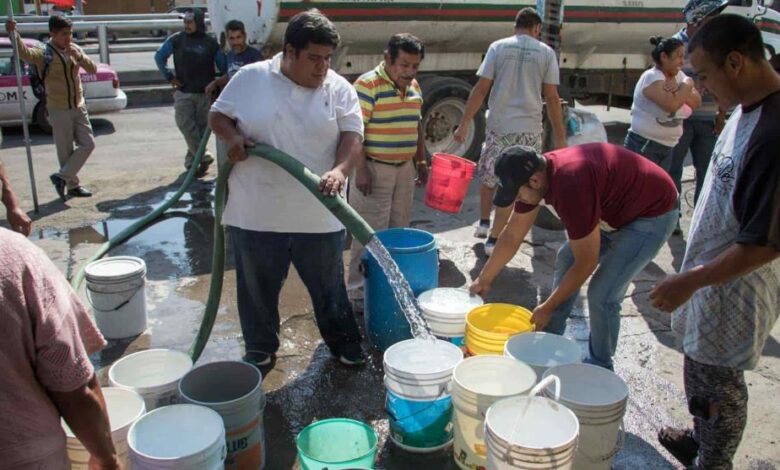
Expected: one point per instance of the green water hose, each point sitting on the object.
(358, 227)
(142, 223)
(311, 181)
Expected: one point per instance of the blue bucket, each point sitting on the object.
(418, 259)
(419, 425)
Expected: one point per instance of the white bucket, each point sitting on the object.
(598, 397)
(445, 310)
(180, 437)
(115, 290)
(530, 432)
(542, 350)
(417, 377)
(124, 408)
(234, 390)
(478, 382)
(154, 373)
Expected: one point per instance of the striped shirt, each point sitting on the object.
(390, 116)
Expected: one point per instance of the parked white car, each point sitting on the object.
(101, 90)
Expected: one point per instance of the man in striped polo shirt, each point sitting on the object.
(382, 188)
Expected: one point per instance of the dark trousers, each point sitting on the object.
(717, 399)
(262, 262)
(657, 153)
(698, 137)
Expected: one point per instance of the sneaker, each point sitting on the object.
(353, 359)
(79, 191)
(59, 186)
(258, 358)
(680, 443)
(482, 230)
(489, 246)
(203, 168)
(677, 230)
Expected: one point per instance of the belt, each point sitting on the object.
(387, 163)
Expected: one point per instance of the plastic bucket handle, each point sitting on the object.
(544, 383)
(442, 391)
(534, 392)
(121, 304)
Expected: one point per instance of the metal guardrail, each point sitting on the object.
(117, 49)
(75, 18)
(101, 24)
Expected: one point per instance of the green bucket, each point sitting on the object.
(336, 443)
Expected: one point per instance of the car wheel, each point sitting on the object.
(443, 106)
(41, 117)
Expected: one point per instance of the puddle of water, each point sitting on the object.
(177, 244)
(401, 290)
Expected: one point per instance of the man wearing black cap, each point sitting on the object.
(618, 209)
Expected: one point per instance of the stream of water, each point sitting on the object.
(401, 289)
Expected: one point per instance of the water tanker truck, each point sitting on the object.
(604, 44)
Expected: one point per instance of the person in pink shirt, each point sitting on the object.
(46, 372)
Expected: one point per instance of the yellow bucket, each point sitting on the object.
(489, 326)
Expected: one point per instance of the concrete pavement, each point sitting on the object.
(139, 161)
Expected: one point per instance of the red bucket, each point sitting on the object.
(448, 182)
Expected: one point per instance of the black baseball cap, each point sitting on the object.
(514, 167)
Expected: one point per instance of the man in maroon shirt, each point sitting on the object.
(618, 209)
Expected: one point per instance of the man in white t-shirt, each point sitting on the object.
(517, 72)
(295, 103)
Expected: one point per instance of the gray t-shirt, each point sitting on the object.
(518, 66)
(728, 324)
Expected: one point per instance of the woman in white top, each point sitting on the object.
(663, 97)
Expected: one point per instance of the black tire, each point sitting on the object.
(41, 118)
(444, 103)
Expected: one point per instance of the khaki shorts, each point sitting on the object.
(495, 144)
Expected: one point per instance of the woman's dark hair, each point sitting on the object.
(663, 45)
(407, 43)
(310, 27)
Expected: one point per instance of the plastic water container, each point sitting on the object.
(124, 408)
(415, 253)
(154, 374)
(445, 310)
(419, 405)
(448, 182)
(490, 326)
(234, 390)
(530, 432)
(542, 350)
(598, 397)
(178, 437)
(115, 290)
(337, 443)
(477, 383)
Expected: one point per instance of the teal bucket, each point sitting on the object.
(336, 443)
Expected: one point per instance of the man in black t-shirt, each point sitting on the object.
(196, 58)
(725, 300)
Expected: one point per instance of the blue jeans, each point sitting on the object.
(262, 262)
(657, 153)
(698, 137)
(624, 254)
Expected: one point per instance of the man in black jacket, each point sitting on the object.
(195, 55)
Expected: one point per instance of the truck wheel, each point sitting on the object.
(443, 107)
(41, 118)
